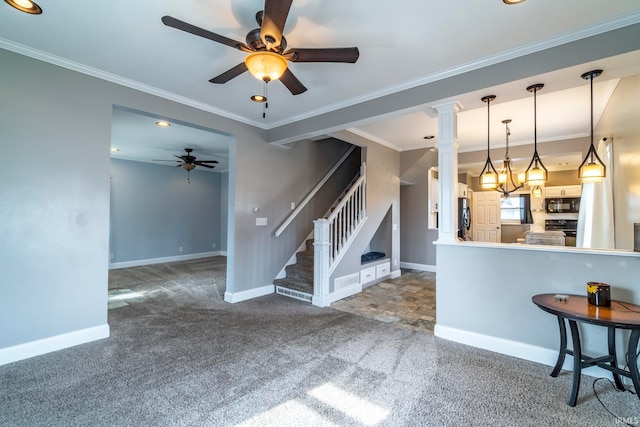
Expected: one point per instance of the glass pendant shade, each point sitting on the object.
(592, 168)
(592, 172)
(265, 66)
(488, 180)
(522, 178)
(536, 176)
(536, 191)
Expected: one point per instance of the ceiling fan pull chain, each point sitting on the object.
(266, 103)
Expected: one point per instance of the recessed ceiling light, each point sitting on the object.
(513, 1)
(163, 124)
(114, 149)
(429, 137)
(26, 6)
(259, 98)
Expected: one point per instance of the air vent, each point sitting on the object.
(346, 281)
(302, 296)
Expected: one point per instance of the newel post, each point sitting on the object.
(321, 247)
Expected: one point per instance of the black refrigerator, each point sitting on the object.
(464, 217)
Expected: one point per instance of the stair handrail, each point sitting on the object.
(312, 193)
(346, 198)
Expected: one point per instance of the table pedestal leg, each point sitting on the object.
(633, 361)
(614, 359)
(563, 347)
(577, 363)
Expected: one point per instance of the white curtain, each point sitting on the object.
(595, 220)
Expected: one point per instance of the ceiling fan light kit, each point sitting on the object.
(592, 168)
(189, 162)
(26, 6)
(265, 65)
(267, 58)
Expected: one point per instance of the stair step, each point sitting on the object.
(309, 245)
(300, 272)
(305, 258)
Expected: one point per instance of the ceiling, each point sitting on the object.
(400, 48)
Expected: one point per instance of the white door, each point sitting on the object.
(486, 218)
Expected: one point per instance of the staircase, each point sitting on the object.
(308, 278)
(299, 281)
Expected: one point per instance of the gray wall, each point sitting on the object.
(224, 210)
(416, 239)
(55, 201)
(487, 291)
(155, 210)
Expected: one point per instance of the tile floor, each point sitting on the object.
(408, 301)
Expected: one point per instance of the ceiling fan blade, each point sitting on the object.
(203, 165)
(207, 161)
(336, 54)
(229, 74)
(184, 26)
(292, 83)
(273, 20)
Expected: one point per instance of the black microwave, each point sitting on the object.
(562, 205)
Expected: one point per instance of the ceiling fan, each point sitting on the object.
(189, 162)
(267, 57)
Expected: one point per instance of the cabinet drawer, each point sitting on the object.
(367, 275)
(383, 269)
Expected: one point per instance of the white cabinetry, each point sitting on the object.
(564, 191)
(383, 269)
(462, 190)
(367, 274)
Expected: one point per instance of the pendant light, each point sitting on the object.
(536, 174)
(488, 176)
(506, 184)
(592, 168)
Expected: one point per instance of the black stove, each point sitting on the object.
(568, 226)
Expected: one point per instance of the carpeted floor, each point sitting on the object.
(180, 356)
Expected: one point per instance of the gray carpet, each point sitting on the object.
(180, 356)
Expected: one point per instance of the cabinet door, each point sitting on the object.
(572, 191)
(554, 192)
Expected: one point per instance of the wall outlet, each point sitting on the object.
(293, 205)
(395, 262)
(261, 221)
(213, 245)
(180, 248)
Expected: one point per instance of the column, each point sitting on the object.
(448, 171)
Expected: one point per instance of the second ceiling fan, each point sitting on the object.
(266, 47)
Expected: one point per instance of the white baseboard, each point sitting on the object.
(513, 348)
(47, 345)
(419, 267)
(395, 274)
(249, 294)
(345, 292)
(151, 261)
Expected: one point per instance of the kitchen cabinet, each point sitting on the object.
(564, 191)
(463, 190)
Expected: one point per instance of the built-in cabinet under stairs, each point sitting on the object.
(299, 281)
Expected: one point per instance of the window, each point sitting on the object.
(516, 209)
(510, 209)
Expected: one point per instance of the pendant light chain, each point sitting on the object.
(489, 175)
